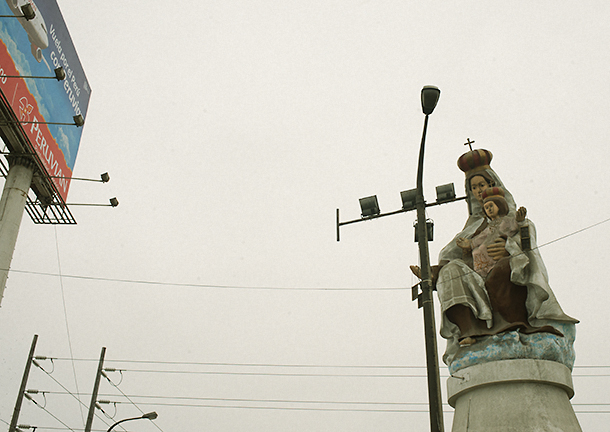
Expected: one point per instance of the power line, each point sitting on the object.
(210, 399)
(128, 398)
(183, 405)
(191, 372)
(184, 363)
(327, 402)
(47, 411)
(266, 373)
(63, 387)
(279, 365)
(63, 299)
(190, 285)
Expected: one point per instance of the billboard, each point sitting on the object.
(36, 47)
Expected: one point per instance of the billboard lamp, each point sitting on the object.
(60, 75)
(104, 178)
(28, 13)
(78, 122)
(113, 203)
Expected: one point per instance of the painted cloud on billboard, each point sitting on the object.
(36, 48)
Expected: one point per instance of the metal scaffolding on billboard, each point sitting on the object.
(47, 206)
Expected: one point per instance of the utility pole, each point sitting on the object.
(96, 387)
(24, 382)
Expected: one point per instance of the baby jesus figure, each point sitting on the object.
(499, 226)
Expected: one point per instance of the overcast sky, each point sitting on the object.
(232, 131)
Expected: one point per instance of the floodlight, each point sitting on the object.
(429, 98)
(408, 199)
(60, 74)
(28, 12)
(105, 177)
(429, 230)
(114, 202)
(369, 206)
(79, 120)
(445, 193)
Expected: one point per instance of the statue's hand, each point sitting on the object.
(463, 243)
(433, 272)
(521, 214)
(497, 249)
(416, 270)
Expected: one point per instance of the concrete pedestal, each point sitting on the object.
(513, 396)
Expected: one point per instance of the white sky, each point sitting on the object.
(232, 131)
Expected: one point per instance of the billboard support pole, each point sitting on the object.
(12, 204)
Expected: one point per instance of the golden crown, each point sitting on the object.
(474, 160)
(492, 192)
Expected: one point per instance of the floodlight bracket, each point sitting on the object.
(380, 215)
(60, 75)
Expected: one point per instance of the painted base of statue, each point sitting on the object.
(515, 344)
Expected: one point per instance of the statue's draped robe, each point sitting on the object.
(519, 278)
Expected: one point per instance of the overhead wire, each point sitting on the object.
(190, 372)
(329, 402)
(295, 365)
(66, 389)
(192, 285)
(128, 398)
(63, 299)
(371, 410)
(47, 411)
(267, 365)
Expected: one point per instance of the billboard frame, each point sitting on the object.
(48, 207)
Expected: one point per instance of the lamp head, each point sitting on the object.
(429, 98)
(28, 12)
(445, 193)
(369, 206)
(79, 120)
(150, 416)
(409, 199)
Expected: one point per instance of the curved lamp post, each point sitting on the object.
(429, 98)
(149, 416)
(414, 200)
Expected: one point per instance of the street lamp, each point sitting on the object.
(413, 199)
(429, 99)
(149, 416)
